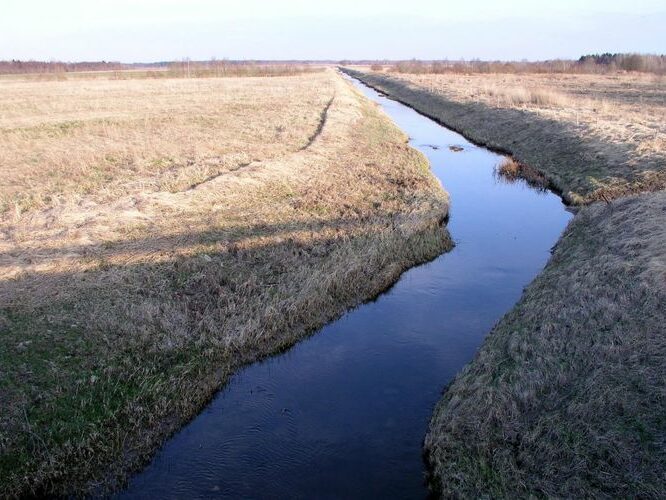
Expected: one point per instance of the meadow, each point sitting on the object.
(106, 138)
(158, 234)
(566, 397)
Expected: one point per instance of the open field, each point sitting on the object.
(157, 235)
(62, 141)
(593, 136)
(566, 397)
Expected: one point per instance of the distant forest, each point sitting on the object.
(589, 63)
(626, 62)
(21, 67)
(165, 69)
(17, 67)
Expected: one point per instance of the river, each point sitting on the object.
(344, 413)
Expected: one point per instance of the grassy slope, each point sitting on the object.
(567, 395)
(599, 158)
(124, 317)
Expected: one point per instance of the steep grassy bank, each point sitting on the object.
(567, 395)
(594, 137)
(123, 310)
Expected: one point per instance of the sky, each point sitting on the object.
(159, 30)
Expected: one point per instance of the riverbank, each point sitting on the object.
(593, 137)
(566, 397)
(124, 310)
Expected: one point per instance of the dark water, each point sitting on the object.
(344, 413)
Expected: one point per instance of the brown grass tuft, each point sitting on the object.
(511, 171)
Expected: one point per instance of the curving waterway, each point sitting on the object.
(344, 413)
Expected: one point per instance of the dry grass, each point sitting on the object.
(510, 170)
(122, 310)
(62, 141)
(593, 136)
(567, 397)
(518, 96)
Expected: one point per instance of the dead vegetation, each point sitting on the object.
(186, 68)
(592, 136)
(510, 170)
(567, 397)
(123, 308)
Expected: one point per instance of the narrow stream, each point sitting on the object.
(344, 413)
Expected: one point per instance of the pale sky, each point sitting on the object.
(158, 30)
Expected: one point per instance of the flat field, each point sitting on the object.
(156, 235)
(102, 139)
